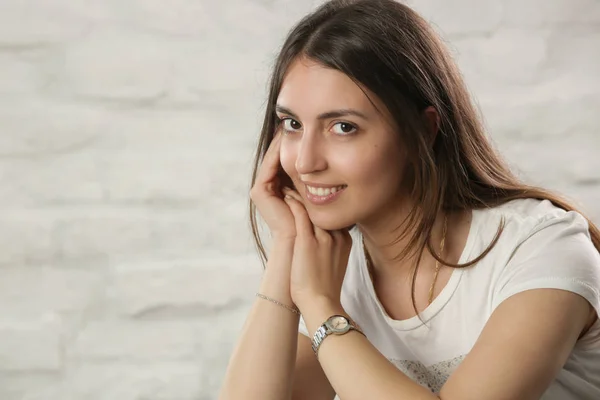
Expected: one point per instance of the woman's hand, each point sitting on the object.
(267, 196)
(320, 258)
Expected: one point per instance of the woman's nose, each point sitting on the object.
(310, 155)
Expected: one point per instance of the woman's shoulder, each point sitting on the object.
(525, 217)
(527, 208)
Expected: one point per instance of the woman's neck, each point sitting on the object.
(381, 241)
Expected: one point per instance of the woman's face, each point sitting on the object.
(343, 156)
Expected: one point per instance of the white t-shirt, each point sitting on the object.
(542, 246)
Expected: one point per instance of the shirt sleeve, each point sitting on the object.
(302, 327)
(557, 254)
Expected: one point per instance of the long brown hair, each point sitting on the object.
(392, 51)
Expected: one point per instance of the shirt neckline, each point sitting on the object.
(443, 297)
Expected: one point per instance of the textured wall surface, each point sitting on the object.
(127, 131)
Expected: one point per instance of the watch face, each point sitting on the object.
(338, 323)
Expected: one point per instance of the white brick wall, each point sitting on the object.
(127, 131)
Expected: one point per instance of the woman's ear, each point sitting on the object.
(432, 122)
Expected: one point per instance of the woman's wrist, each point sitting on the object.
(281, 253)
(276, 290)
(317, 310)
(283, 241)
(275, 282)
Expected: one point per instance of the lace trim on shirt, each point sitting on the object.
(433, 376)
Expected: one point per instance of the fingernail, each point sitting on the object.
(287, 197)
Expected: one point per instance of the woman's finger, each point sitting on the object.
(304, 226)
(270, 163)
(292, 193)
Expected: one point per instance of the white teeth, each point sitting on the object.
(321, 192)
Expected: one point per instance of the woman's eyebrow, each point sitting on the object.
(326, 115)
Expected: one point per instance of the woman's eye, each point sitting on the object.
(344, 128)
(291, 125)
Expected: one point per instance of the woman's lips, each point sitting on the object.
(324, 199)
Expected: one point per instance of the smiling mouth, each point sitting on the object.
(323, 192)
(321, 196)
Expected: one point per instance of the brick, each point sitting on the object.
(135, 341)
(184, 289)
(541, 13)
(460, 17)
(31, 345)
(182, 17)
(560, 163)
(533, 118)
(29, 385)
(25, 243)
(38, 291)
(135, 233)
(115, 64)
(150, 381)
(74, 128)
(32, 23)
(19, 77)
(508, 56)
(516, 65)
(571, 53)
(106, 157)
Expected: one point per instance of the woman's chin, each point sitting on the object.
(332, 224)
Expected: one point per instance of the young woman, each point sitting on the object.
(421, 266)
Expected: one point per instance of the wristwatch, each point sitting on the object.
(336, 325)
